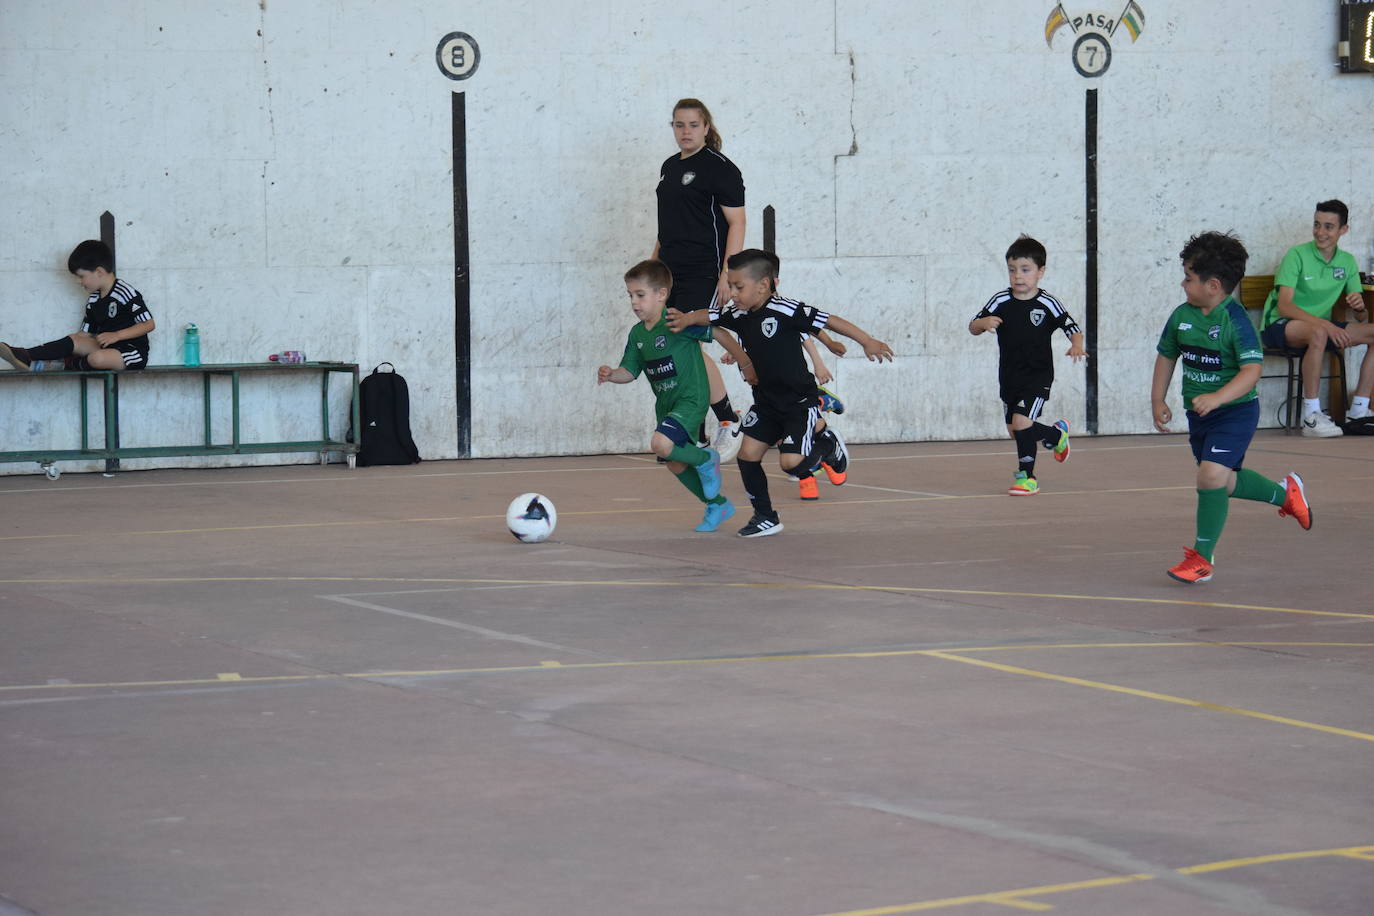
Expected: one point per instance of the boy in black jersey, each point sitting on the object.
(786, 410)
(115, 332)
(1024, 317)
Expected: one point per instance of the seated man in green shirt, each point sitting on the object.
(1312, 278)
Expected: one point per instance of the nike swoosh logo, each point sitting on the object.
(1220, 451)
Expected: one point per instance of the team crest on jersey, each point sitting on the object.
(688, 177)
(750, 419)
(1338, 273)
(1037, 316)
(769, 327)
(1214, 331)
(660, 342)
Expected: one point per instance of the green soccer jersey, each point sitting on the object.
(674, 367)
(1213, 348)
(1316, 282)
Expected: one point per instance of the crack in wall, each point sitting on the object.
(853, 148)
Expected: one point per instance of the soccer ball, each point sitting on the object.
(531, 517)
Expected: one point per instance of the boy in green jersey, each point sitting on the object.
(1221, 365)
(1311, 279)
(673, 364)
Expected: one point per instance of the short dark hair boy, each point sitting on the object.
(114, 334)
(1221, 366)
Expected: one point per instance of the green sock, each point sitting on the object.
(1211, 518)
(692, 481)
(1253, 485)
(689, 455)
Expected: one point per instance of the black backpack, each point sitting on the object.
(385, 414)
(1361, 427)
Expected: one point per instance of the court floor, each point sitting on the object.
(306, 690)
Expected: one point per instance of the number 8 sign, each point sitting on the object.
(458, 55)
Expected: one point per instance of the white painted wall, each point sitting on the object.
(280, 173)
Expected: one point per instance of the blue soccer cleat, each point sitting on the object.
(709, 472)
(715, 514)
(830, 403)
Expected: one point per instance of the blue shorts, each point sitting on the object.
(1224, 434)
(1275, 337)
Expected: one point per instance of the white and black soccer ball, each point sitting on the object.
(531, 517)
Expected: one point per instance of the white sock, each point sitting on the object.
(1359, 403)
(1311, 406)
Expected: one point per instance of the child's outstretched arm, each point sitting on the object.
(677, 321)
(831, 344)
(1159, 388)
(983, 324)
(874, 349)
(620, 375)
(737, 354)
(818, 368)
(1076, 351)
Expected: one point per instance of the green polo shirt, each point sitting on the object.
(1316, 283)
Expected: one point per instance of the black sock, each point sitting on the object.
(756, 487)
(723, 411)
(1025, 450)
(804, 470)
(1049, 435)
(53, 349)
(701, 435)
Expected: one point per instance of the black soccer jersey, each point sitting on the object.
(772, 337)
(122, 308)
(1023, 338)
(691, 226)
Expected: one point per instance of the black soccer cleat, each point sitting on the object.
(761, 526)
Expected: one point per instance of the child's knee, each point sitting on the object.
(660, 445)
(788, 460)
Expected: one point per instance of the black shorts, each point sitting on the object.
(135, 355)
(1029, 401)
(790, 427)
(692, 294)
(1275, 337)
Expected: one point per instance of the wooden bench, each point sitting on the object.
(1252, 293)
(111, 450)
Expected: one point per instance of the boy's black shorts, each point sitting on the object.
(135, 356)
(789, 427)
(692, 294)
(1027, 400)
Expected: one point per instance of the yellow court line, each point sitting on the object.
(562, 514)
(631, 583)
(1016, 898)
(1150, 695)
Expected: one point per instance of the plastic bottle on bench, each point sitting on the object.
(190, 347)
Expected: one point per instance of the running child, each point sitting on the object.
(1024, 317)
(672, 362)
(786, 410)
(1221, 366)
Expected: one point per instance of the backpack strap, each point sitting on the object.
(379, 368)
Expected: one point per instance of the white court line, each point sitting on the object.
(350, 477)
(440, 591)
(470, 628)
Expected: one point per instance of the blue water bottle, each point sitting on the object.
(190, 348)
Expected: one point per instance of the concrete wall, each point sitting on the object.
(280, 174)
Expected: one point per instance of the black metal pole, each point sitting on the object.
(1090, 293)
(107, 235)
(462, 281)
(770, 236)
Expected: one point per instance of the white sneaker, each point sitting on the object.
(1358, 414)
(729, 437)
(1319, 425)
